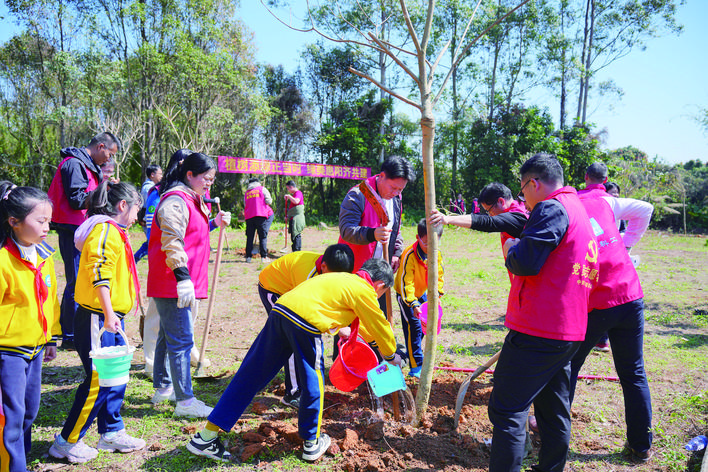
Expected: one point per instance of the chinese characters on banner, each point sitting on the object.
(245, 165)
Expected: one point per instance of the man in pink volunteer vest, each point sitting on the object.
(361, 227)
(259, 216)
(78, 174)
(555, 267)
(595, 180)
(618, 307)
(370, 215)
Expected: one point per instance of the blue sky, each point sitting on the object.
(664, 85)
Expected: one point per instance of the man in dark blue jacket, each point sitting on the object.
(78, 174)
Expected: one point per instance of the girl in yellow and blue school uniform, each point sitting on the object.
(29, 316)
(106, 289)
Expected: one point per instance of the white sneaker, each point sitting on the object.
(315, 448)
(161, 397)
(213, 448)
(75, 453)
(196, 409)
(120, 442)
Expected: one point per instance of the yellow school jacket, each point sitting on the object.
(22, 323)
(330, 301)
(287, 272)
(104, 262)
(412, 276)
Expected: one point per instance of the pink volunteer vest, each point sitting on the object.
(515, 207)
(369, 218)
(63, 213)
(255, 205)
(554, 303)
(618, 283)
(594, 188)
(161, 282)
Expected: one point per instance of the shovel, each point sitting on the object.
(465, 385)
(285, 244)
(200, 371)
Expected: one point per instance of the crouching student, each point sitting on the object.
(29, 314)
(411, 287)
(106, 289)
(286, 273)
(295, 325)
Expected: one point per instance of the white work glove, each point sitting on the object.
(185, 294)
(223, 218)
(397, 360)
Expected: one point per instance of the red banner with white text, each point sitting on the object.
(247, 165)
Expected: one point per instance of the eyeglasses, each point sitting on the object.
(520, 196)
(488, 208)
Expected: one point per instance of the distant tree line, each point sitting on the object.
(170, 75)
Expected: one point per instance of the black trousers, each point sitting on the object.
(262, 225)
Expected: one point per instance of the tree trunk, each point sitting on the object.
(427, 124)
(564, 71)
(382, 78)
(492, 85)
(588, 62)
(684, 210)
(455, 109)
(583, 59)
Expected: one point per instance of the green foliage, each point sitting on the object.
(350, 137)
(671, 189)
(494, 151)
(578, 148)
(161, 76)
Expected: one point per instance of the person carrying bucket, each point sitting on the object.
(106, 289)
(30, 316)
(286, 273)
(295, 325)
(411, 287)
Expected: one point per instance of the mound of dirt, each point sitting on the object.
(367, 437)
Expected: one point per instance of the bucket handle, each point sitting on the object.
(120, 331)
(351, 339)
(346, 367)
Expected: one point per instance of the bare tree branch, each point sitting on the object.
(395, 58)
(317, 31)
(384, 88)
(409, 25)
(469, 45)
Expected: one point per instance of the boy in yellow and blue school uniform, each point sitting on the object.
(286, 273)
(295, 325)
(411, 287)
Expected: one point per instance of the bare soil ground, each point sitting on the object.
(674, 279)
